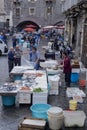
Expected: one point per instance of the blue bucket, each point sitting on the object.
(74, 77)
(40, 110)
(8, 100)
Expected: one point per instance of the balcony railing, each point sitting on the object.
(67, 4)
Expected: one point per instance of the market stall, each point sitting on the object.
(31, 89)
(8, 94)
(18, 71)
(38, 81)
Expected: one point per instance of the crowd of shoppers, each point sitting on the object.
(28, 40)
(31, 41)
(14, 57)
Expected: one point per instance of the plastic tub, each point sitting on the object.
(74, 77)
(55, 118)
(40, 110)
(8, 100)
(74, 118)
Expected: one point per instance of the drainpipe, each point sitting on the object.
(71, 33)
(82, 35)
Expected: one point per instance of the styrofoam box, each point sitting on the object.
(41, 99)
(53, 81)
(74, 118)
(24, 98)
(54, 84)
(53, 92)
(38, 94)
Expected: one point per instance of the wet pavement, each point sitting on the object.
(10, 117)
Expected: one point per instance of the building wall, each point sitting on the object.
(79, 14)
(40, 17)
(2, 14)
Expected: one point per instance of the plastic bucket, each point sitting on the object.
(8, 100)
(55, 118)
(74, 77)
(72, 105)
(82, 83)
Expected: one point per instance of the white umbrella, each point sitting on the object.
(48, 27)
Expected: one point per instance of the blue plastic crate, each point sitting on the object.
(8, 100)
(17, 77)
(40, 110)
(74, 77)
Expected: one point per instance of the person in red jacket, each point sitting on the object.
(67, 69)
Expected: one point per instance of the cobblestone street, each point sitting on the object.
(10, 117)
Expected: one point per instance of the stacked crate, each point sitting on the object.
(53, 81)
(32, 124)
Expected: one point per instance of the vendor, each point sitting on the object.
(67, 69)
(35, 57)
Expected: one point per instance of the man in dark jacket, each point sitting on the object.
(17, 56)
(11, 59)
(14, 41)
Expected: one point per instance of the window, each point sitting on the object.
(33, 1)
(49, 10)
(18, 11)
(31, 11)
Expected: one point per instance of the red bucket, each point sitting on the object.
(82, 83)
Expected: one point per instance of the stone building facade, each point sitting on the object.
(75, 12)
(39, 12)
(2, 14)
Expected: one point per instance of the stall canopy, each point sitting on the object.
(29, 29)
(30, 26)
(60, 27)
(49, 27)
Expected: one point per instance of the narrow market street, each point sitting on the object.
(43, 64)
(10, 117)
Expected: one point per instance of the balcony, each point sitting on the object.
(17, 2)
(67, 4)
(49, 1)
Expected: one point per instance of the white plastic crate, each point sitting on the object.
(53, 92)
(74, 118)
(24, 98)
(39, 99)
(38, 94)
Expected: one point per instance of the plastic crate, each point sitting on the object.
(17, 77)
(74, 77)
